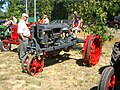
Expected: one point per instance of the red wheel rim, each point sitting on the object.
(36, 65)
(111, 82)
(95, 50)
(92, 49)
(6, 45)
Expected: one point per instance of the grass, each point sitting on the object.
(67, 73)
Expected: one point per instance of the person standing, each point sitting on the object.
(24, 34)
(13, 19)
(46, 20)
(41, 21)
(77, 25)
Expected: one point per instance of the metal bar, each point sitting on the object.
(34, 10)
(26, 7)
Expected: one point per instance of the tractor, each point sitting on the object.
(49, 40)
(9, 36)
(5, 33)
(110, 78)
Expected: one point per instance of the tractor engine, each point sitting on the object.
(50, 35)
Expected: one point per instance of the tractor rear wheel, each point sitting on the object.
(5, 46)
(92, 50)
(115, 56)
(108, 79)
(35, 65)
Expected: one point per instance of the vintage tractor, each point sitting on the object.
(50, 40)
(9, 36)
(5, 33)
(110, 78)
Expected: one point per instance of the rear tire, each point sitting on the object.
(108, 78)
(24, 62)
(5, 46)
(92, 50)
(115, 56)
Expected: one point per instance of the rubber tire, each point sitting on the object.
(4, 49)
(28, 64)
(115, 56)
(22, 64)
(88, 49)
(106, 75)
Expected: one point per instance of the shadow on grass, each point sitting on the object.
(14, 50)
(94, 88)
(102, 68)
(59, 59)
(79, 62)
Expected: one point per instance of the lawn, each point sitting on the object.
(63, 73)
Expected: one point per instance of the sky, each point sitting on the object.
(4, 7)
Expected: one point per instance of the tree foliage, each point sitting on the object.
(94, 13)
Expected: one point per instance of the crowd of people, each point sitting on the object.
(10, 22)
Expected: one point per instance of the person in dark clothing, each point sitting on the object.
(2, 21)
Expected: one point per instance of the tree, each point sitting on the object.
(1, 7)
(94, 13)
(15, 8)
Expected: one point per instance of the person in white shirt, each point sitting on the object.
(24, 34)
(46, 20)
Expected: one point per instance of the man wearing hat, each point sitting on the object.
(24, 34)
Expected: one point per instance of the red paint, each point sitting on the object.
(94, 51)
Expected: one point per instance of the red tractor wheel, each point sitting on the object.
(92, 50)
(108, 79)
(5, 46)
(24, 62)
(35, 65)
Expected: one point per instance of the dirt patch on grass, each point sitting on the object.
(64, 73)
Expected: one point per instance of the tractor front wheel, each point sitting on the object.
(24, 62)
(35, 65)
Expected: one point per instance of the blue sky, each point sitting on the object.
(4, 7)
